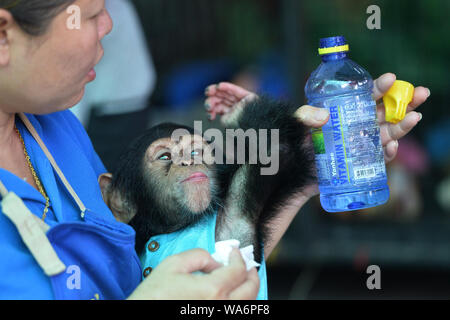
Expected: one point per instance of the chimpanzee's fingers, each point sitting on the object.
(211, 103)
(228, 89)
(212, 116)
(312, 116)
(217, 105)
(226, 96)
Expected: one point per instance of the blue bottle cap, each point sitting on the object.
(332, 45)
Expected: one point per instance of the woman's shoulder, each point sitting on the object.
(64, 125)
(62, 120)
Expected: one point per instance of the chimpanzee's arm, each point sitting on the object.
(253, 199)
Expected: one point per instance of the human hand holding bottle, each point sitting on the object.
(226, 99)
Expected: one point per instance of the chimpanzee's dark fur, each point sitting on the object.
(260, 197)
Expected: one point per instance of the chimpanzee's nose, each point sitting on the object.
(186, 163)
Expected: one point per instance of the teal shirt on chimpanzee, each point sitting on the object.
(199, 235)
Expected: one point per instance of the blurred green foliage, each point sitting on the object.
(248, 28)
(413, 41)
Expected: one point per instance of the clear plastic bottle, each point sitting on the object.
(349, 154)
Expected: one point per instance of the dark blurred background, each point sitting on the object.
(270, 46)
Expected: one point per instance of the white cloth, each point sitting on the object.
(224, 248)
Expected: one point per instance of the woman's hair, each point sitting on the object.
(34, 16)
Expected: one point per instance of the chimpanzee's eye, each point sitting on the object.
(196, 153)
(165, 157)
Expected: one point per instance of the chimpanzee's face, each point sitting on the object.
(179, 170)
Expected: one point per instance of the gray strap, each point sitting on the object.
(32, 231)
(53, 163)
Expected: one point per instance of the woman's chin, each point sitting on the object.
(76, 99)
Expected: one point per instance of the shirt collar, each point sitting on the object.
(42, 167)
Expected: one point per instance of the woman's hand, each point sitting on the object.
(173, 279)
(390, 133)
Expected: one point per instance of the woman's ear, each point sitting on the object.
(6, 21)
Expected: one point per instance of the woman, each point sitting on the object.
(44, 67)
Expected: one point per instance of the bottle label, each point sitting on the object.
(348, 148)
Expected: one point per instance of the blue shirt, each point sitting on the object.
(199, 235)
(66, 139)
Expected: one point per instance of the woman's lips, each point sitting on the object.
(196, 177)
(92, 75)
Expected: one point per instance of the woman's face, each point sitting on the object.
(48, 73)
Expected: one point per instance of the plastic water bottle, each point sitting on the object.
(349, 154)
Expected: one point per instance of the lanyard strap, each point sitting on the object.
(31, 229)
(3, 190)
(53, 163)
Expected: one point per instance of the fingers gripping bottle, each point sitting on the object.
(349, 154)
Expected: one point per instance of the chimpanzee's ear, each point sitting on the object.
(114, 199)
(105, 181)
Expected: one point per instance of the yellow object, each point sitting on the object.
(343, 48)
(397, 99)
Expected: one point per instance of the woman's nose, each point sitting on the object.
(105, 25)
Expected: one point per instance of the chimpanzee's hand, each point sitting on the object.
(227, 100)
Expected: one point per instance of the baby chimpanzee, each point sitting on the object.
(176, 198)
